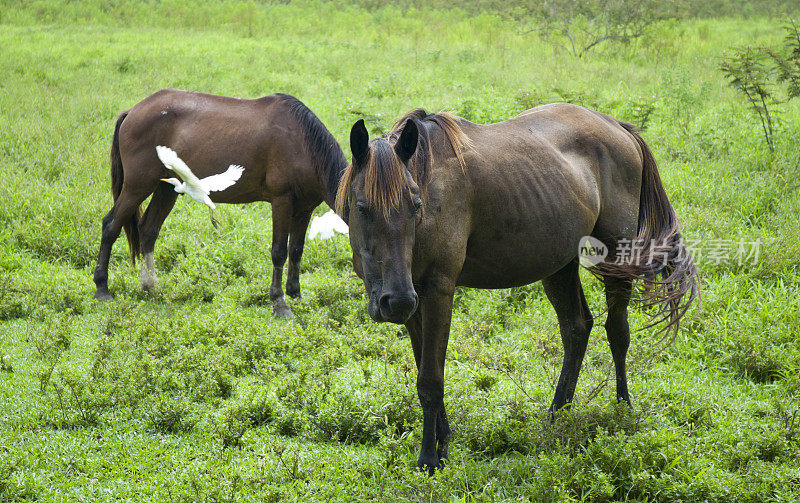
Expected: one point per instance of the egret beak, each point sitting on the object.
(164, 180)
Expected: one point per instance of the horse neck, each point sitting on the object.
(440, 151)
(325, 156)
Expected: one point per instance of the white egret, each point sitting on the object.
(326, 226)
(198, 189)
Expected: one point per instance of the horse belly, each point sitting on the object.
(524, 259)
(245, 190)
(529, 232)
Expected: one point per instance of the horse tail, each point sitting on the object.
(658, 256)
(117, 178)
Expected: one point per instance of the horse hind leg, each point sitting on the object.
(618, 295)
(125, 208)
(575, 322)
(160, 206)
(109, 235)
(297, 239)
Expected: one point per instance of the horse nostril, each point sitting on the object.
(383, 303)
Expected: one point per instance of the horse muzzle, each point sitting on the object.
(393, 307)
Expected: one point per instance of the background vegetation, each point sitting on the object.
(196, 393)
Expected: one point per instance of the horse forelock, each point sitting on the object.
(384, 174)
(385, 182)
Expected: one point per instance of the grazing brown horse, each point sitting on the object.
(441, 202)
(289, 159)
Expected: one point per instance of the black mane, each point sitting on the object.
(422, 160)
(329, 159)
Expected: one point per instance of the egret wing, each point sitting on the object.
(222, 181)
(176, 164)
(336, 224)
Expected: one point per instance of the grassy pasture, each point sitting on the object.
(196, 393)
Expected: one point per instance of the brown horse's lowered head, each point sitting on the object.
(386, 206)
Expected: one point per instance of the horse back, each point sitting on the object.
(210, 133)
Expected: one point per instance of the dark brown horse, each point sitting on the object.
(289, 159)
(442, 202)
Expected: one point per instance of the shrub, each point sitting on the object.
(757, 71)
(170, 414)
(580, 26)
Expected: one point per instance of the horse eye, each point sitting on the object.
(363, 208)
(417, 205)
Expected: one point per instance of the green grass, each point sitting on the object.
(197, 393)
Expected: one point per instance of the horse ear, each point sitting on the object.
(359, 142)
(407, 144)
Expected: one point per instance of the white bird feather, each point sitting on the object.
(326, 226)
(221, 181)
(198, 189)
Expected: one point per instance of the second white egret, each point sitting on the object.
(326, 226)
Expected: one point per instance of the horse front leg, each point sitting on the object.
(429, 329)
(297, 240)
(443, 435)
(281, 222)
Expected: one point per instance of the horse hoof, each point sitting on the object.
(103, 296)
(282, 312)
(442, 453)
(429, 465)
(293, 290)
